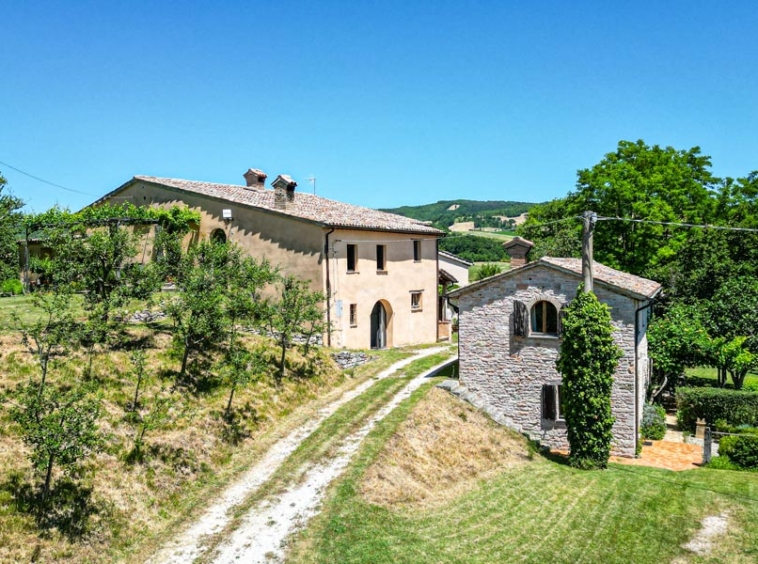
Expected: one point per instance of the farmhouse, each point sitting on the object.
(510, 337)
(378, 270)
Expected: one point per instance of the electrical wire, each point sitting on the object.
(45, 181)
(553, 222)
(675, 224)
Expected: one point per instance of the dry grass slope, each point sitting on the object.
(442, 450)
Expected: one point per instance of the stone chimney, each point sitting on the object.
(518, 249)
(284, 191)
(255, 178)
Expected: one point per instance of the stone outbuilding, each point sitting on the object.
(510, 337)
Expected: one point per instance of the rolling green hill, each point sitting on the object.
(446, 212)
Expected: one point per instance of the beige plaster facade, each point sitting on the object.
(317, 251)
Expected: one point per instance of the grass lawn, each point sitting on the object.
(539, 511)
(706, 376)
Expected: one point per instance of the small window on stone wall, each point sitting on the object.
(551, 402)
(544, 318)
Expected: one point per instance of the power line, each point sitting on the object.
(45, 181)
(552, 222)
(675, 224)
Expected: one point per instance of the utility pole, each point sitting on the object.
(589, 219)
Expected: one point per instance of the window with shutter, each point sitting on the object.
(520, 318)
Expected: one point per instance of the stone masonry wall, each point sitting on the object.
(508, 372)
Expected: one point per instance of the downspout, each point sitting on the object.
(328, 292)
(637, 370)
(437, 289)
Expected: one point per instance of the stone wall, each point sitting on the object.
(508, 372)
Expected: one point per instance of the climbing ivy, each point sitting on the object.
(587, 362)
(174, 219)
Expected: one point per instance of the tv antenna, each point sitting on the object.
(312, 180)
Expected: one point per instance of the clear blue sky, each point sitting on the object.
(387, 103)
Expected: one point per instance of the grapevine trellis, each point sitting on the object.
(174, 220)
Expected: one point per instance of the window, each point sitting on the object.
(417, 251)
(416, 302)
(352, 258)
(353, 315)
(544, 318)
(381, 257)
(551, 402)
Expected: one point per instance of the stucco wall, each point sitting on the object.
(296, 246)
(455, 268)
(366, 286)
(508, 372)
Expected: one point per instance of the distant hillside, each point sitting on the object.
(491, 213)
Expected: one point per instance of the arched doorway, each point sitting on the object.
(218, 236)
(380, 323)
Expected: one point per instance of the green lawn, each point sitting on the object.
(539, 512)
(706, 376)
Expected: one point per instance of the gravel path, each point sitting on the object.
(189, 545)
(262, 536)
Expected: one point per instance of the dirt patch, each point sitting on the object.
(440, 451)
(712, 526)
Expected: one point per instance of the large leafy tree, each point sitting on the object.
(587, 363)
(638, 182)
(10, 227)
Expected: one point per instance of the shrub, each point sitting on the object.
(11, 286)
(713, 404)
(587, 362)
(740, 449)
(653, 422)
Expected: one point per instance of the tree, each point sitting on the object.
(677, 339)
(732, 356)
(298, 311)
(638, 182)
(50, 333)
(198, 310)
(59, 428)
(587, 362)
(10, 228)
(243, 306)
(733, 310)
(156, 414)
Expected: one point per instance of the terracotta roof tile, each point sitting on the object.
(618, 281)
(611, 276)
(305, 206)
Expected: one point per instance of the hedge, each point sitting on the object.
(742, 450)
(713, 404)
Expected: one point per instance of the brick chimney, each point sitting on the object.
(518, 249)
(255, 178)
(284, 191)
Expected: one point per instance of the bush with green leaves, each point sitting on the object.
(60, 428)
(587, 361)
(13, 287)
(653, 422)
(742, 450)
(713, 404)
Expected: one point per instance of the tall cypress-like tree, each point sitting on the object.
(587, 361)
